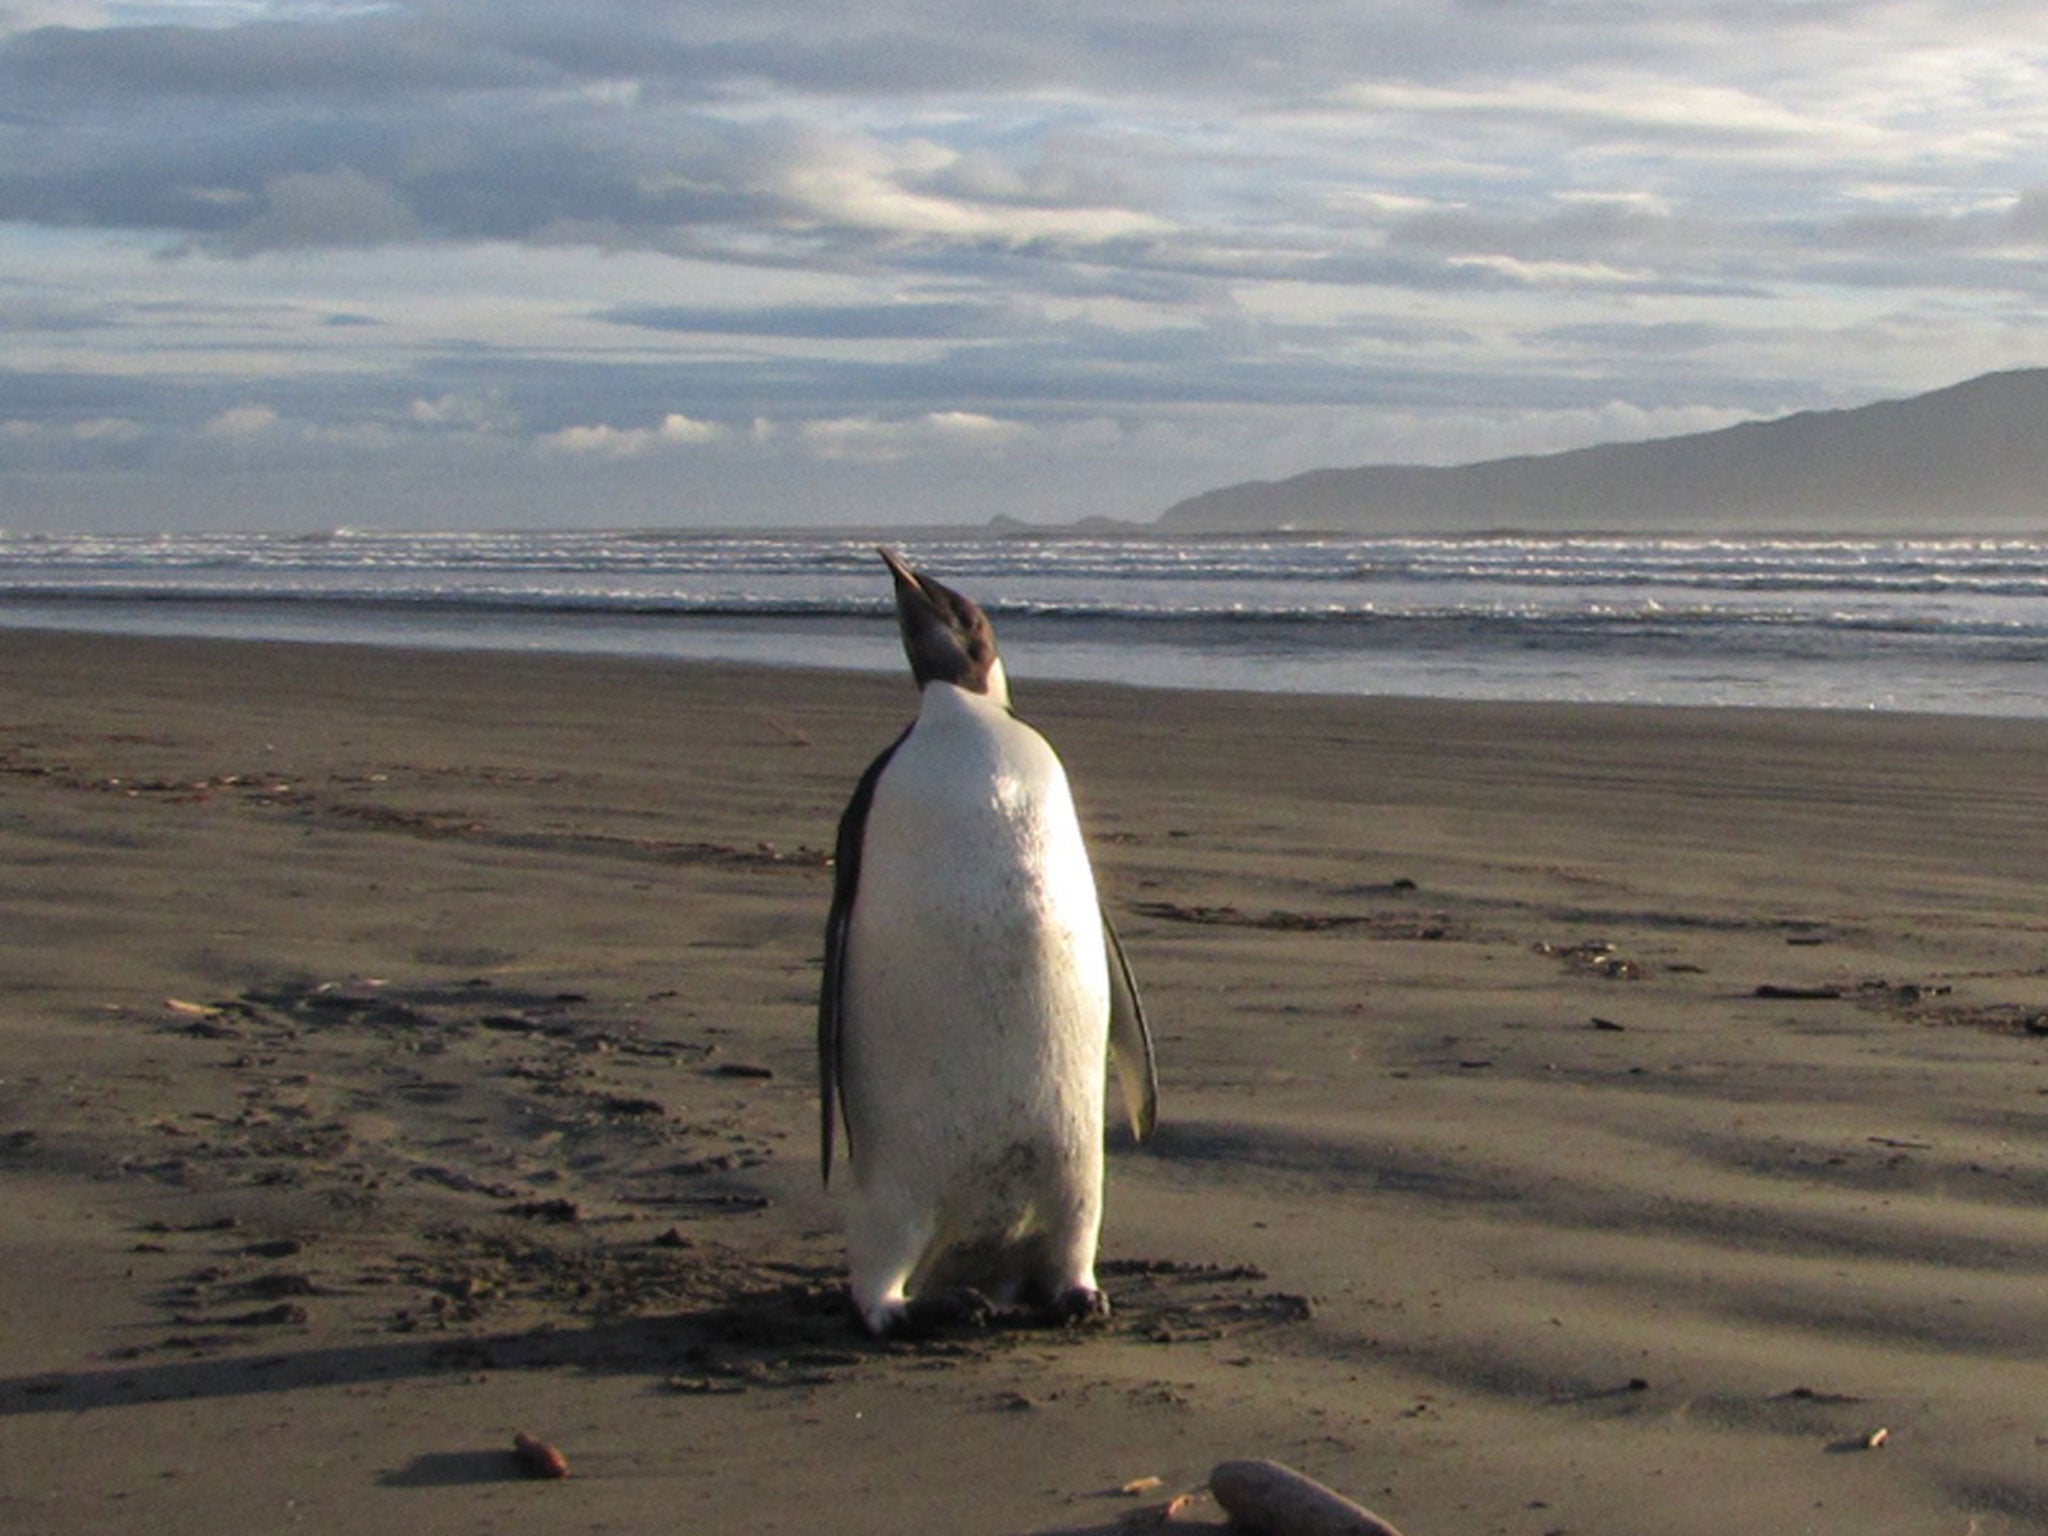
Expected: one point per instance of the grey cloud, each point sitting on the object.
(43, 395)
(459, 122)
(331, 208)
(1161, 49)
(1911, 231)
(2028, 217)
(48, 316)
(1161, 211)
(378, 55)
(1071, 372)
(1664, 338)
(1056, 374)
(270, 179)
(1563, 231)
(1733, 253)
(256, 176)
(459, 47)
(909, 321)
(1067, 170)
(1228, 260)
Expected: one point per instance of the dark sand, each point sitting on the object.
(400, 1051)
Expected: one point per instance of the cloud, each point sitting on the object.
(2026, 217)
(96, 429)
(760, 134)
(1618, 108)
(332, 53)
(48, 317)
(674, 430)
(1564, 224)
(866, 439)
(481, 412)
(908, 320)
(325, 209)
(863, 185)
(1170, 241)
(241, 423)
(429, 124)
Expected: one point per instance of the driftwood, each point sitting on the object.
(1273, 1500)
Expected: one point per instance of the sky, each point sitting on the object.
(308, 264)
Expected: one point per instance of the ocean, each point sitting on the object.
(1945, 626)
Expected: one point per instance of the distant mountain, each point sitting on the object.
(1969, 458)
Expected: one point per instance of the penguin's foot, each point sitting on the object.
(957, 1307)
(1081, 1307)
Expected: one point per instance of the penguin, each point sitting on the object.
(974, 996)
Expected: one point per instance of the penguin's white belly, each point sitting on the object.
(977, 1000)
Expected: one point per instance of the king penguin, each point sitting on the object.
(974, 997)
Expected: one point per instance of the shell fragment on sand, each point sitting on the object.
(539, 1459)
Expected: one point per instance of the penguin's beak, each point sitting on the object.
(909, 589)
(927, 621)
(945, 634)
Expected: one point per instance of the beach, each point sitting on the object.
(1599, 1120)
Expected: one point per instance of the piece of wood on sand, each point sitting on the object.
(1273, 1500)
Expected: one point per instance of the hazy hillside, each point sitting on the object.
(1972, 457)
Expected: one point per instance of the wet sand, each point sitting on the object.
(1573, 1120)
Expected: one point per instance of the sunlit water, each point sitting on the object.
(1946, 626)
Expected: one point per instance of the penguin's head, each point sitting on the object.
(947, 636)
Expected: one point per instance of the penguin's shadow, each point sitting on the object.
(454, 1469)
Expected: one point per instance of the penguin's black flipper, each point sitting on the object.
(1130, 1040)
(846, 857)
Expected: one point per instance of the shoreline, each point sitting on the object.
(1598, 1118)
(886, 673)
